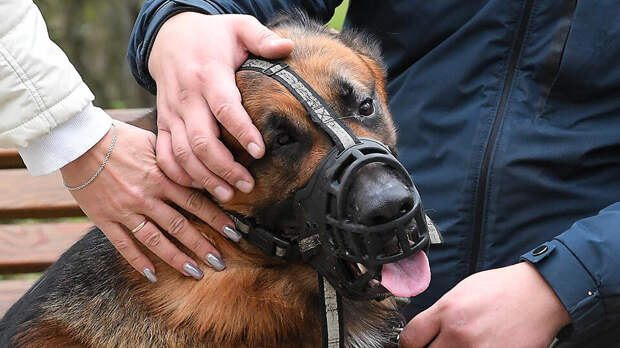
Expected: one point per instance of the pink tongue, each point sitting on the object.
(407, 277)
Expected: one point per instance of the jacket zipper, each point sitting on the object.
(480, 201)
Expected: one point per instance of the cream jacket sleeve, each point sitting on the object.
(46, 110)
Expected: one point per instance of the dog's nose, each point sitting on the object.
(378, 195)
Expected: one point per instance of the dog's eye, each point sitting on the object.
(366, 108)
(284, 139)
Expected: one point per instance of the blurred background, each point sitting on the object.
(94, 35)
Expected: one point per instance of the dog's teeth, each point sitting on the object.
(362, 268)
(373, 283)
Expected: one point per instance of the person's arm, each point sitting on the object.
(188, 51)
(46, 111)
(582, 266)
(40, 90)
(154, 14)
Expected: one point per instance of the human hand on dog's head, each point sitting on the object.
(193, 61)
(132, 189)
(505, 307)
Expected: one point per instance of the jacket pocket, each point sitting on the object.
(547, 76)
(585, 92)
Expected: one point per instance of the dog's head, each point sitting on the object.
(346, 71)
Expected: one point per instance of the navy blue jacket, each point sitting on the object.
(509, 120)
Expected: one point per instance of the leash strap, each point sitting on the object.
(325, 117)
(320, 112)
(331, 318)
(332, 325)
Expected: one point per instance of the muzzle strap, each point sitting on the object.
(265, 240)
(433, 232)
(320, 112)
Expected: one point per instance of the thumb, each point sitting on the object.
(261, 41)
(421, 330)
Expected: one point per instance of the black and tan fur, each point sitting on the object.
(92, 298)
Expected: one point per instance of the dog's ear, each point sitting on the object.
(364, 44)
(361, 42)
(296, 19)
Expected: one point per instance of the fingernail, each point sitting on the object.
(280, 41)
(244, 186)
(197, 185)
(222, 193)
(150, 275)
(193, 271)
(216, 262)
(254, 150)
(232, 234)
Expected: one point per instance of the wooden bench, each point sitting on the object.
(34, 244)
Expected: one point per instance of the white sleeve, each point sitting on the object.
(39, 88)
(66, 142)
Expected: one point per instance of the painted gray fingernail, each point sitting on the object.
(193, 271)
(232, 234)
(216, 262)
(150, 275)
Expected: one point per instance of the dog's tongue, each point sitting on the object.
(407, 277)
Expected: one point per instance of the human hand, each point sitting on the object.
(506, 307)
(193, 62)
(132, 188)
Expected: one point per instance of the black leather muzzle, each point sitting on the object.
(334, 244)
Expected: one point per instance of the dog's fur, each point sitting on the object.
(92, 298)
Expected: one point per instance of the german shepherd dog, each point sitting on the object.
(91, 297)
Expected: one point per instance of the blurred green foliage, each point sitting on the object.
(338, 18)
(22, 276)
